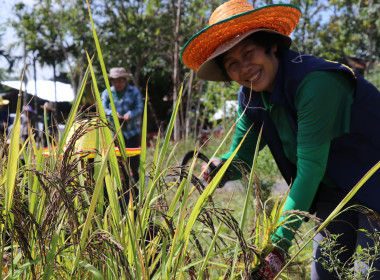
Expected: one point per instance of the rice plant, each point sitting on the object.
(73, 213)
(70, 215)
(68, 218)
(361, 264)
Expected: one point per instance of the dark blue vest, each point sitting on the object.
(351, 155)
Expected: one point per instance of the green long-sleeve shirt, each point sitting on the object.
(323, 103)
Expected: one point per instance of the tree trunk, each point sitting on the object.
(55, 92)
(35, 116)
(370, 42)
(199, 95)
(188, 105)
(25, 93)
(176, 68)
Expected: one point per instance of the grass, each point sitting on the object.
(66, 217)
(60, 224)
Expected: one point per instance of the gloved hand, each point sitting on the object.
(272, 266)
(212, 169)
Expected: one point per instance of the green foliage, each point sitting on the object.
(56, 228)
(374, 76)
(55, 33)
(267, 172)
(58, 209)
(215, 97)
(336, 29)
(4, 55)
(359, 266)
(139, 36)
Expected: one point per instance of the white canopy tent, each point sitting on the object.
(229, 110)
(45, 90)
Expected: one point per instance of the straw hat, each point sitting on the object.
(48, 106)
(118, 72)
(29, 108)
(229, 24)
(3, 101)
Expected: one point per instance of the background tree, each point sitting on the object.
(353, 29)
(4, 54)
(56, 33)
(146, 36)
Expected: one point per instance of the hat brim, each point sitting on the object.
(124, 76)
(282, 18)
(30, 110)
(48, 107)
(211, 71)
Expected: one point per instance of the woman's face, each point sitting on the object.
(119, 84)
(249, 65)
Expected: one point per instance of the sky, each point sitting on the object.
(9, 37)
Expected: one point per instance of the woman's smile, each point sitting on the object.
(255, 78)
(251, 66)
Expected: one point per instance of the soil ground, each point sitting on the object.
(279, 187)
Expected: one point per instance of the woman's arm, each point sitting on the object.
(106, 102)
(247, 149)
(323, 104)
(138, 103)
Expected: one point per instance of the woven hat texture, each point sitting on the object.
(118, 72)
(233, 18)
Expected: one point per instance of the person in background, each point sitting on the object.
(4, 115)
(52, 130)
(320, 120)
(28, 115)
(129, 107)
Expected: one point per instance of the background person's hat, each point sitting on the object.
(3, 101)
(29, 108)
(229, 24)
(118, 72)
(48, 106)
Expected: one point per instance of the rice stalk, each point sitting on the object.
(336, 211)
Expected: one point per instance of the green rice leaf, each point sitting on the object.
(209, 252)
(13, 157)
(163, 150)
(106, 132)
(336, 211)
(73, 111)
(23, 268)
(105, 76)
(246, 201)
(204, 197)
(143, 144)
(94, 271)
(53, 249)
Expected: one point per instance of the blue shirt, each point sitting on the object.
(130, 103)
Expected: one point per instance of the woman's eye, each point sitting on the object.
(231, 67)
(248, 53)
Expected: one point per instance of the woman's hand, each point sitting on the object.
(209, 172)
(270, 268)
(125, 117)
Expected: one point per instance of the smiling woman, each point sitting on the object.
(318, 118)
(249, 64)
